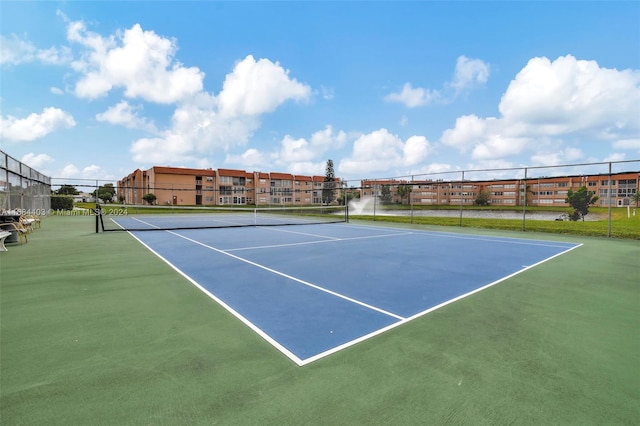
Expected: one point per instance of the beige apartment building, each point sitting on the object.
(209, 187)
(547, 191)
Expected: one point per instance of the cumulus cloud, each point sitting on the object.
(126, 115)
(628, 144)
(15, 50)
(412, 97)
(550, 103)
(251, 158)
(36, 161)
(294, 155)
(92, 171)
(258, 87)
(570, 95)
(35, 126)
(553, 158)
(294, 152)
(206, 123)
(380, 151)
(468, 74)
(141, 62)
(143, 65)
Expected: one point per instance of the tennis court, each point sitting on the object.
(315, 289)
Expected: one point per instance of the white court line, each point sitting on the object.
(333, 240)
(506, 240)
(233, 312)
(433, 308)
(282, 274)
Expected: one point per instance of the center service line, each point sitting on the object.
(333, 293)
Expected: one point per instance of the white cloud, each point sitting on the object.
(551, 103)
(308, 168)
(251, 158)
(468, 131)
(327, 93)
(616, 156)
(71, 171)
(15, 50)
(294, 155)
(468, 74)
(36, 161)
(302, 151)
(628, 144)
(295, 150)
(258, 87)
(170, 149)
(381, 151)
(570, 95)
(412, 97)
(35, 126)
(126, 115)
(141, 62)
(56, 91)
(552, 158)
(205, 124)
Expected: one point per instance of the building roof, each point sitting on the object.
(181, 171)
(282, 176)
(232, 172)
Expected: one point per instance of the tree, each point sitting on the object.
(636, 197)
(150, 198)
(404, 191)
(66, 190)
(483, 197)
(106, 192)
(329, 184)
(385, 194)
(580, 200)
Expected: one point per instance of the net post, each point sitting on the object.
(98, 214)
(345, 197)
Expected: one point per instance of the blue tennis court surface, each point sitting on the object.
(315, 289)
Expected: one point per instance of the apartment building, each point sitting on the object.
(209, 187)
(544, 191)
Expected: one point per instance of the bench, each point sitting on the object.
(3, 236)
(15, 227)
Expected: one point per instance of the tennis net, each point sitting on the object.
(158, 218)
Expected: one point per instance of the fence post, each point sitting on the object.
(461, 197)
(524, 204)
(609, 191)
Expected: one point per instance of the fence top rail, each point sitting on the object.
(504, 169)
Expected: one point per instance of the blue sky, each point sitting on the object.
(97, 89)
